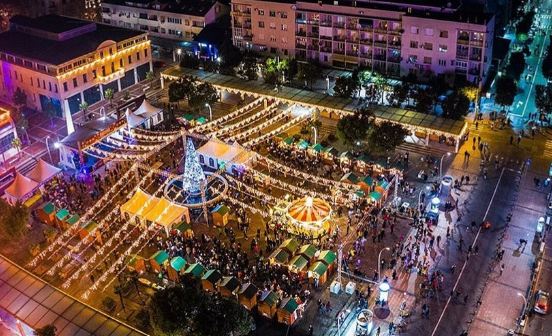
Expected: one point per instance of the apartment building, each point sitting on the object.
(172, 19)
(392, 38)
(60, 62)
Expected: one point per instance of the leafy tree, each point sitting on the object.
(424, 100)
(182, 88)
(223, 317)
(308, 73)
(547, 62)
(230, 56)
(13, 219)
(386, 136)
(248, 68)
(516, 65)
(50, 111)
(84, 106)
(108, 94)
(400, 93)
(543, 98)
(274, 70)
(16, 143)
(355, 127)
(150, 75)
(345, 87)
(189, 61)
(506, 90)
(523, 25)
(20, 98)
(455, 105)
(47, 330)
(293, 68)
(204, 93)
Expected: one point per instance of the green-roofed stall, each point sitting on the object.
(47, 213)
(290, 245)
(158, 260)
(279, 256)
(375, 196)
(195, 270)
(87, 229)
(220, 215)
(178, 263)
(316, 148)
(318, 272)
(298, 264)
(229, 286)
(327, 256)
(350, 178)
(302, 144)
(268, 303)
(287, 312)
(210, 280)
(73, 220)
(201, 120)
(136, 263)
(61, 217)
(185, 229)
(288, 141)
(308, 251)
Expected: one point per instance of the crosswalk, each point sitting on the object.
(547, 153)
(419, 149)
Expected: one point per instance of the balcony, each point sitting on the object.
(379, 57)
(394, 59)
(301, 20)
(350, 39)
(476, 43)
(339, 24)
(381, 30)
(475, 58)
(339, 38)
(366, 55)
(314, 35)
(352, 26)
(241, 13)
(381, 44)
(111, 77)
(396, 44)
(326, 49)
(463, 41)
(322, 37)
(366, 41)
(339, 51)
(313, 47)
(326, 23)
(462, 56)
(352, 53)
(474, 71)
(300, 46)
(247, 38)
(313, 22)
(301, 33)
(366, 28)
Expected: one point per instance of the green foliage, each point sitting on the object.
(345, 87)
(524, 25)
(455, 105)
(84, 106)
(400, 93)
(506, 90)
(47, 330)
(109, 94)
(182, 88)
(150, 75)
(543, 98)
(13, 219)
(547, 62)
(204, 93)
(189, 61)
(248, 68)
(19, 97)
(274, 69)
(187, 311)
(109, 304)
(230, 55)
(516, 65)
(308, 73)
(425, 99)
(386, 136)
(16, 143)
(355, 127)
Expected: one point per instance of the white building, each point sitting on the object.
(60, 62)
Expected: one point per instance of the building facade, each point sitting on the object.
(393, 39)
(60, 62)
(171, 20)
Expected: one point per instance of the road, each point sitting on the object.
(524, 103)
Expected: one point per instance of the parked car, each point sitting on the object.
(541, 302)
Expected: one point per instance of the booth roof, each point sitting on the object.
(269, 297)
(219, 150)
(73, 219)
(195, 269)
(160, 257)
(62, 214)
(146, 110)
(177, 263)
(165, 212)
(49, 208)
(248, 290)
(376, 196)
(308, 251)
(21, 186)
(319, 268)
(43, 172)
(230, 283)
(279, 255)
(212, 276)
(221, 209)
(327, 256)
(290, 244)
(289, 305)
(298, 262)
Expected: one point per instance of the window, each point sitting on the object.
(44, 84)
(201, 159)
(138, 56)
(56, 87)
(129, 59)
(84, 78)
(427, 60)
(211, 162)
(38, 83)
(442, 62)
(272, 13)
(428, 31)
(101, 54)
(261, 12)
(272, 38)
(65, 88)
(428, 46)
(283, 15)
(461, 64)
(261, 24)
(443, 34)
(146, 53)
(284, 27)
(32, 83)
(112, 67)
(94, 74)
(75, 83)
(50, 86)
(443, 48)
(412, 58)
(272, 25)
(103, 70)
(414, 30)
(414, 44)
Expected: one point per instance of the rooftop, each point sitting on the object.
(56, 52)
(190, 7)
(49, 23)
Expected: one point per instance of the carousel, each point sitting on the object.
(305, 216)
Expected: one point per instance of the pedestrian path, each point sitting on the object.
(37, 304)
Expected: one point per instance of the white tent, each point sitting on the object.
(43, 172)
(215, 152)
(132, 119)
(21, 189)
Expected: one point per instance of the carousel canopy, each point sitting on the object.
(309, 210)
(43, 172)
(21, 186)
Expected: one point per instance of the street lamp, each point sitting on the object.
(210, 111)
(57, 145)
(315, 134)
(48, 148)
(379, 261)
(420, 195)
(441, 164)
(524, 306)
(328, 84)
(179, 52)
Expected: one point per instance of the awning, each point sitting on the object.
(43, 172)
(21, 187)
(177, 263)
(319, 268)
(376, 196)
(146, 110)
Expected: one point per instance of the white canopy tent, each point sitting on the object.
(146, 114)
(43, 172)
(21, 189)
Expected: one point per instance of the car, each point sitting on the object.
(541, 302)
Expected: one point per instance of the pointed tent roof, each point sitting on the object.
(146, 110)
(43, 172)
(136, 205)
(166, 213)
(21, 186)
(132, 119)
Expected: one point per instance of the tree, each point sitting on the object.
(543, 98)
(274, 70)
(13, 219)
(108, 94)
(516, 65)
(523, 25)
(230, 56)
(386, 136)
(308, 73)
(547, 62)
(223, 317)
(354, 128)
(84, 106)
(150, 75)
(19, 98)
(345, 87)
(16, 143)
(50, 111)
(189, 61)
(455, 105)
(424, 99)
(47, 330)
(400, 93)
(183, 88)
(506, 90)
(205, 93)
(249, 69)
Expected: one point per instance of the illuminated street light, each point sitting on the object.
(441, 164)
(210, 111)
(57, 145)
(379, 261)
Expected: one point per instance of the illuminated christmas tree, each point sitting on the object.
(193, 173)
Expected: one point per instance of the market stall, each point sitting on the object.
(176, 267)
(43, 172)
(308, 251)
(61, 216)
(20, 189)
(268, 303)
(247, 296)
(159, 260)
(210, 280)
(298, 264)
(328, 257)
(290, 245)
(195, 271)
(220, 215)
(318, 272)
(278, 257)
(288, 313)
(47, 213)
(136, 263)
(229, 286)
